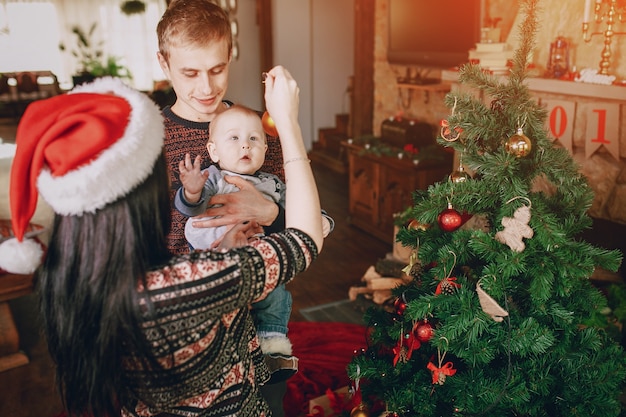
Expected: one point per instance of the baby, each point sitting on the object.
(237, 144)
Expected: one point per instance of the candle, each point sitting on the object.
(587, 7)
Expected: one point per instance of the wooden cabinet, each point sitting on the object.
(381, 186)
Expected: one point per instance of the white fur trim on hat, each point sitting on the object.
(119, 168)
(20, 257)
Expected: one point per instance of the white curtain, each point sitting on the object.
(34, 30)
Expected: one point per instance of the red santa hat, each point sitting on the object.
(80, 151)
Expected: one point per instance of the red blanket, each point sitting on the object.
(324, 351)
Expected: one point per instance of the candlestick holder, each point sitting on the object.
(609, 13)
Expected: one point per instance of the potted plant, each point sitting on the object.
(111, 66)
(131, 7)
(90, 57)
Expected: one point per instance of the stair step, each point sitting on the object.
(331, 138)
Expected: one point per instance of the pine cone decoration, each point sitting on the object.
(416, 270)
(447, 288)
(497, 106)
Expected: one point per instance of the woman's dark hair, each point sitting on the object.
(88, 288)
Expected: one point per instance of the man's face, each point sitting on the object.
(199, 76)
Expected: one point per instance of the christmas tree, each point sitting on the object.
(500, 317)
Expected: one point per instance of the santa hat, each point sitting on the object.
(80, 151)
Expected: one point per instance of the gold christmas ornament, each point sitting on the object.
(519, 145)
(360, 411)
(415, 225)
(459, 175)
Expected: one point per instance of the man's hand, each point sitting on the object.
(239, 235)
(192, 177)
(232, 208)
(325, 226)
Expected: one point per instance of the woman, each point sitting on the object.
(133, 330)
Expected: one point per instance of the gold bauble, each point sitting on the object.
(415, 225)
(519, 145)
(359, 411)
(459, 175)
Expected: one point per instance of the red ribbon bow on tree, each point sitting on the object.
(405, 347)
(439, 374)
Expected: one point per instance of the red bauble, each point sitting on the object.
(449, 220)
(268, 125)
(424, 331)
(399, 305)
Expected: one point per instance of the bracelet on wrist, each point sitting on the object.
(301, 158)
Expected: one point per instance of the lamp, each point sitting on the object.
(558, 60)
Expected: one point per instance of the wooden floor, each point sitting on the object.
(28, 391)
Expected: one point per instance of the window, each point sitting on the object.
(130, 38)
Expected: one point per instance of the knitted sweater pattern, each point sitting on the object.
(197, 320)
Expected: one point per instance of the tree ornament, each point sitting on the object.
(447, 286)
(460, 175)
(415, 225)
(268, 125)
(441, 370)
(423, 331)
(516, 228)
(498, 106)
(447, 134)
(405, 347)
(400, 305)
(416, 270)
(414, 267)
(449, 220)
(519, 145)
(489, 305)
(360, 411)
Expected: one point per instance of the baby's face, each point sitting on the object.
(238, 142)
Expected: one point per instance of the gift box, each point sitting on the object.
(331, 404)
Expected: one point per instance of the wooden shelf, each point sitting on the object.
(554, 86)
(572, 88)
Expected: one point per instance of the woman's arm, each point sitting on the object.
(302, 209)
